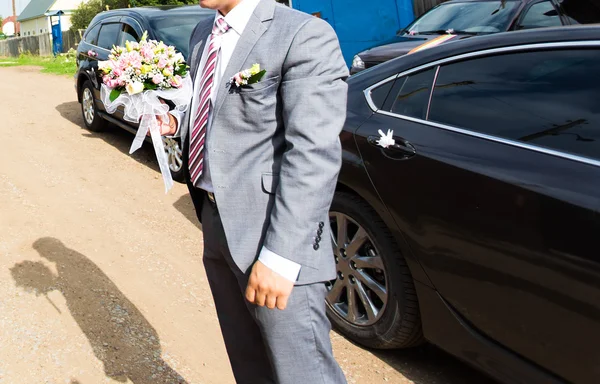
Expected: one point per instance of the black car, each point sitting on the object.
(478, 229)
(172, 25)
(467, 18)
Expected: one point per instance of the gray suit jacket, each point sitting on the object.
(274, 146)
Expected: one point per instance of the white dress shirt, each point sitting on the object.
(237, 19)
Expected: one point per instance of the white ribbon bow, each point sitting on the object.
(386, 141)
(143, 108)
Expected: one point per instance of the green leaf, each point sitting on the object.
(114, 94)
(256, 78)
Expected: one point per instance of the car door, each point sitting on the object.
(494, 180)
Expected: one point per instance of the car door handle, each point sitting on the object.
(401, 150)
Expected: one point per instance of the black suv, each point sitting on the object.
(467, 18)
(172, 25)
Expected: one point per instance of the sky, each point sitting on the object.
(6, 7)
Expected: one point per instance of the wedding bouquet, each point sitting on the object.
(137, 76)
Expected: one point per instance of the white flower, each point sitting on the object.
(386, 140)
(134, 87)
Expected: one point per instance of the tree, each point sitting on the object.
(81, 17)
(86, 11)
(1, 20)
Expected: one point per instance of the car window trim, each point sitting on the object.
(89, 29)
(477, 54)
(435, 78)
(133, 23)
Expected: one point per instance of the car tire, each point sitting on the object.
(92, 120)
(174, 152)
(397, 324)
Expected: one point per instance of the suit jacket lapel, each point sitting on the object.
(255, 28)
(200, 38)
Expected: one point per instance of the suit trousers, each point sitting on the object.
(266, 345)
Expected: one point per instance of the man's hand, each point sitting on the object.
(265, 287)
(167, 125)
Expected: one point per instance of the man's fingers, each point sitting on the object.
(250, 294)
(260, 299)
(271, 301)
(282, 302)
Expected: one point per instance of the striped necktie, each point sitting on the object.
(198, 135)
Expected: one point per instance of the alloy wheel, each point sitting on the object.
(359, 294)
(174, 154)
(88, 106)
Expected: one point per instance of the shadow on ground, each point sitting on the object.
(429, 365)
(185, 206)
(113, 135)
(120, 335)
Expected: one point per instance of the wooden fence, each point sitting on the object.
(37, 45)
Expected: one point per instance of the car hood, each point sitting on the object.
(398, 46)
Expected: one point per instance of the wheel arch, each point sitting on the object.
(362, 188)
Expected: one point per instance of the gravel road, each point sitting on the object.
(101, 279)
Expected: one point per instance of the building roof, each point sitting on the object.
(35, 9)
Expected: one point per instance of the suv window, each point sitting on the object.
(539, 15)
(128, 34)
(109, 33)
(545, 98)
(91, 36)
(410, 95)
(581, 11)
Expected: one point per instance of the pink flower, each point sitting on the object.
(176, 81)
(157, 79)
(147, 52)
(117, 72)
(92, 53)
(238, 79)
(135, 60)
(162, 62)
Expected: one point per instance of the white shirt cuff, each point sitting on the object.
(278, 264)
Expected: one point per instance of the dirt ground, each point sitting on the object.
(101, 279)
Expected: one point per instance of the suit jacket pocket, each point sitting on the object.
(263, 84)
(270, 181)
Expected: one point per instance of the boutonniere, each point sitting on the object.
(248, 76)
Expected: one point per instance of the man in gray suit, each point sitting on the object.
(262, 161)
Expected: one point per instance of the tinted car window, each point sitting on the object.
(175, 31)
(545, 98)
(410, 95)
(380, 94)
(128, 34)
(581, 11)
(109, 33)
(91, 36)
(541, 15)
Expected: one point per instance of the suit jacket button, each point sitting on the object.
(318, 239)
(320, 232)
(321, 224)
(315, 246)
